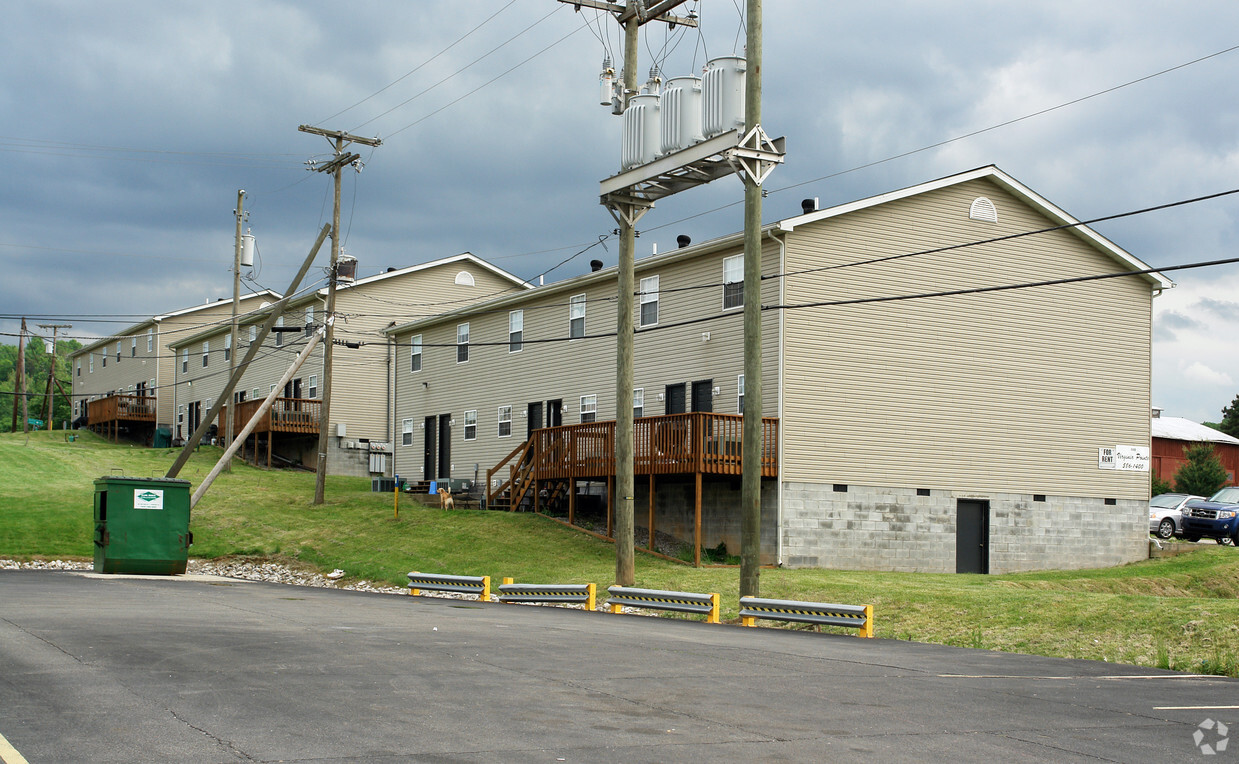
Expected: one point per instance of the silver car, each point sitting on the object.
(1166, 514)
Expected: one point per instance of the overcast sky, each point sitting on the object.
(128, 127)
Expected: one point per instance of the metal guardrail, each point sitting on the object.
(548, 593)
(655, 599)
(479, 585)
(853, 616)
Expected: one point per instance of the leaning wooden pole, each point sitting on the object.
(277, 310)
(237, 442)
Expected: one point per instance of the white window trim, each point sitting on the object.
(593, 407)
(733, 259)
(206, 352)
(133, 346)
(466, 327)
(415, 351)
(227, 346)
(150, 340)
(91, 369)
(312, 389)
(501, 420)
(648, 297)
(638, 395)
(185, 360)
(519, 315)
(474, 425)
(575, 303)
(740, 394)
(406, 428)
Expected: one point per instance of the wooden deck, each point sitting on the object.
(287, 417)
(291, 415)
(674, 444)
(115, 411)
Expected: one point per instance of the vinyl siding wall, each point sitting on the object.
(1009, 391)
(567, 370)
(361, 393)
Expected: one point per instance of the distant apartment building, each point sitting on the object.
(123, 384)
(360, 428)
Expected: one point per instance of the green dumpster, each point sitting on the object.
(141, 525)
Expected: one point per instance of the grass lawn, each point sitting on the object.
(1180, 613)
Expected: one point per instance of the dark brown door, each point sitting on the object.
(428, 454)
(703, 395)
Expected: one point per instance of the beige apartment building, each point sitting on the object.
(123, 384)
(361, 417)
(956, 378)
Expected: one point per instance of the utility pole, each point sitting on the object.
(230, 421)
(750, 479)
(19, 385)
(632, 16)
(51, 375)
(341, 139)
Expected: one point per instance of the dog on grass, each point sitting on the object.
(445, 499)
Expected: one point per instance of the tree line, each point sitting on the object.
(38, 364)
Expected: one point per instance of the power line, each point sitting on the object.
(417, 68)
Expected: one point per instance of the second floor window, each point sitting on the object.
(576, 317)
(184, 360)
(227, 347)
(206, 352)
(516, 330)
(649, 301)
(471, 424)
(733, 282)
(150, 340)
(505, 421)
(638, 403)
(462, 344)
(133, 347)
(415, 353)
(589, 408)
(313, 386)
(406, 432)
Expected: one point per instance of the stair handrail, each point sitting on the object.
(493, 491)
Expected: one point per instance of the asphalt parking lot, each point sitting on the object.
(200, 669)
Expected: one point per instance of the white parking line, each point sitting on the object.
(9, 754)
(1193, 708)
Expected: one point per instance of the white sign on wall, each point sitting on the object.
(1125, 458)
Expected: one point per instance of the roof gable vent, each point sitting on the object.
(464, 278)
(983, 209)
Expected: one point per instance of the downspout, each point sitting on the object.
(391, 402)
(778, 510)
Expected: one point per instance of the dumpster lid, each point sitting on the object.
(150, 481)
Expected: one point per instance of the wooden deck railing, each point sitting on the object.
(291, 415)
(121, 408)
(662, 445)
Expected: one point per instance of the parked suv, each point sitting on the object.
(1216, 518)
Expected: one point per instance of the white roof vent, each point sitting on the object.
(464, 278)
(983, 209)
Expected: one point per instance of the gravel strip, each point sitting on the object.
(277, 573)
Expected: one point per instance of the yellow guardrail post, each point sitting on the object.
(867, 630)
(486, 588)
(593, 597)
(748, 620)
(412, 591)
(713, 617)
(615, 606)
